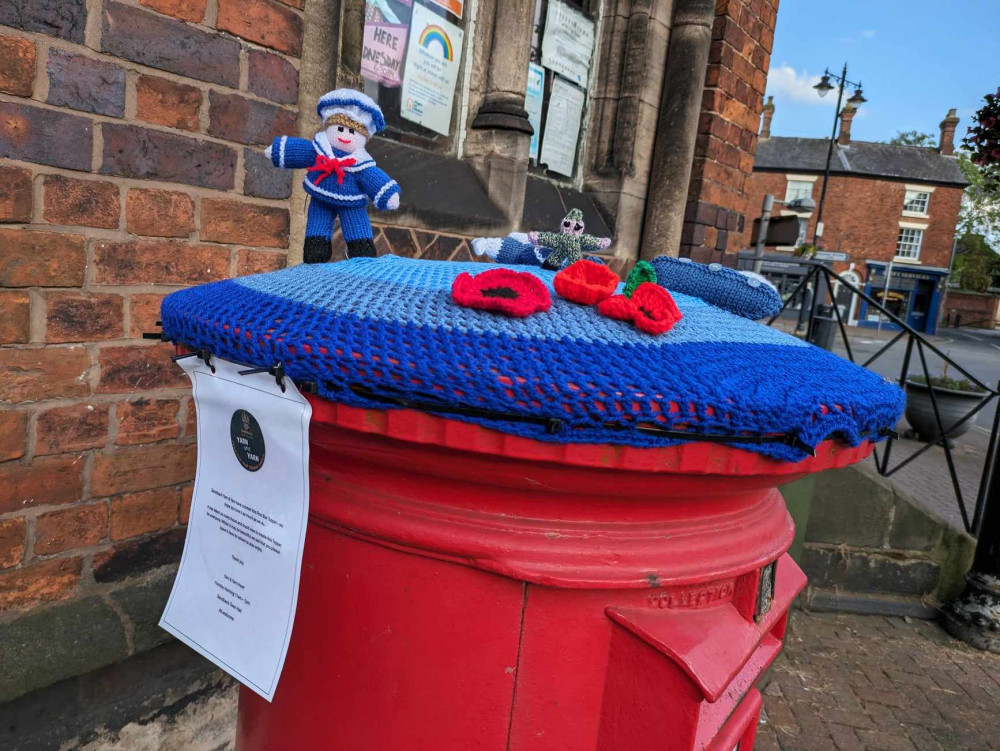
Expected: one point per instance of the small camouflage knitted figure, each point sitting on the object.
(569, 244)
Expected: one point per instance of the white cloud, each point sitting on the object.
(784, 82)
(868, 34)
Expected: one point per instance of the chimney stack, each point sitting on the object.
(947, 143)
(846, 116)
(765, 120)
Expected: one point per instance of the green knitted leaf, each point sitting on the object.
(642, 272)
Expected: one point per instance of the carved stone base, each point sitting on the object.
(975, 616)
(500, 114)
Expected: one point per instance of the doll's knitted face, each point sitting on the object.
(345, 138)
(571, 227)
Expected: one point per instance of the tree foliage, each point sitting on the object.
(914, 138)
(980, 211)
(977, 266)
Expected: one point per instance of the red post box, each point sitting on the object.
(468, 589)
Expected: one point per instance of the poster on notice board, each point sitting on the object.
(562, 127)
(533, 104)
(568, 43)
(455, 7)
(386, 26)
(431, 72)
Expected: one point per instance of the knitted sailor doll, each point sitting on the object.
(341, 177)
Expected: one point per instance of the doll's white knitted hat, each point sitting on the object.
(356, 105)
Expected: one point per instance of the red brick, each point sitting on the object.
(186, 10)
(13, 434)
(187, 492)
(262, 22)
(83, 317)
(165, 102)
(67, 529)
(15, 194)
(235, 118)
(132, 151)
(144, 312)
(49, 373)
(15, 316)
(225, 221)
(259, 262)
(142, 468)
(74, 428)
(143, 37)
(273, 77)
(140, 513)
(17, 65)
(152, 262)
(159, 213)
(41, 259)
(45, 136)
(49, 481)
(191, 421)
(138, 368)
(44, 582)
(147, 421)
(13, 533)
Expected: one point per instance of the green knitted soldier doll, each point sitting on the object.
(569, 244)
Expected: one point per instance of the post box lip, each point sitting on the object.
(698, 458)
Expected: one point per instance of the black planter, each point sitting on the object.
(952, 405)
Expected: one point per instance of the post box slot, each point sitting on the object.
(713, 645)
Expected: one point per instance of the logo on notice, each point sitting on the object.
(248, 440)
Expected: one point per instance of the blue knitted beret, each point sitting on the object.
(744, 294)
(371, 327)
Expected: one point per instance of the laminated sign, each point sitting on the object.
(234, 597)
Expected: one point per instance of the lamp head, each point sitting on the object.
(857, 99)
(804, 204)
(824, 86)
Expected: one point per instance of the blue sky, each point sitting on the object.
(916, 59)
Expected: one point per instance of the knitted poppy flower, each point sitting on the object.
(656, 311)
(513, 293)
(586, 282)
(619, 307)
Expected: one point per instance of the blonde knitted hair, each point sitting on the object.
(342, 119)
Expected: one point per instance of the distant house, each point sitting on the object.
(884, 205)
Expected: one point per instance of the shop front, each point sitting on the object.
(911, 293)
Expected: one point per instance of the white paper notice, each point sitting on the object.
(568, 42)
(533, 105)
(431, 72)
(234, 596)
(562, 127)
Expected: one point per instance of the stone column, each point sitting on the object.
(677, 127)
(497, 144)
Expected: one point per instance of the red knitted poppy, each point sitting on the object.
(586, 282)
(618, 307)
(513, 293)
(656, 311)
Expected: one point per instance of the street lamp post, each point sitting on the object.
(824, 87)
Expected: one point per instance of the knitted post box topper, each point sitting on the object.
(341, 177)
(569, 243)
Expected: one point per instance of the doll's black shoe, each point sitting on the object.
(364, 248)
(317, 250)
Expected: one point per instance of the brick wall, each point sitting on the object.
(861, 216)
(976, 309)
(738, 62)
(130, 165)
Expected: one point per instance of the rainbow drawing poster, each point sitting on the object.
(433, 57)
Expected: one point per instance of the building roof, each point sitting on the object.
(862, 158)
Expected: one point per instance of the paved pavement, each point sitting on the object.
(868, 683)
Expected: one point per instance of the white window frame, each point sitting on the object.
(918, 241)
(789, 179)
(910, 189)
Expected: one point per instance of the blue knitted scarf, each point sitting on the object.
(367, 330)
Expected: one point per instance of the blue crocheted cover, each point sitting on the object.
(748, 296)
(390, 324)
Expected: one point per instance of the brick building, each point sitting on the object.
(885, 205)
(131, 134)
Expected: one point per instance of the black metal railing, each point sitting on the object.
(820, 279)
